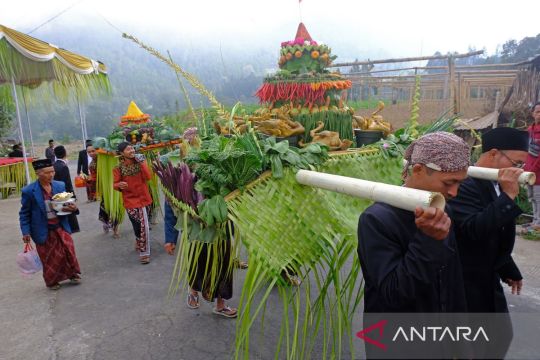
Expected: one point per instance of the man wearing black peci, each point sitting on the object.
(82, 166)
(61, 173)
(484, 213)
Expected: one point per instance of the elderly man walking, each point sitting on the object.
(50, 232)
(484, 213)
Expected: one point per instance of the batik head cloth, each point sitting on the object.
(439, 151)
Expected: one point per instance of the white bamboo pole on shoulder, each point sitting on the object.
(398, 196)
(526, 178)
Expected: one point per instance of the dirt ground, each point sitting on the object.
(72, 149)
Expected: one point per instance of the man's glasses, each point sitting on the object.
(516, 164)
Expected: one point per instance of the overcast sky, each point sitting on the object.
(369, 28)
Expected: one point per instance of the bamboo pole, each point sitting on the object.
(82, 121)
(28, 122)
(477, 172)
(526, 178)
(355, 77)
(459, 93)
(458, 68)
(418, 58)
(452, 82)
(401, 197)
(466, 75)
(25, 159)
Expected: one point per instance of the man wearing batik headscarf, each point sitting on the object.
(408, 259)
(49, 231)
(485, 215)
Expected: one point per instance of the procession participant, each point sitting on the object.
(130, 178)
(83, 164)
(50, 233)
(17, 152)
(409, 259)
(533, 164)
(61, 173)
(91, 187)
(485, 215)
(49, 152)
(198, 282)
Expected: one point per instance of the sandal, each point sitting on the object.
(291, 280)
(56, 286)
(144, 260)
(76, 280)
(242, 265)
(193, 299)
(226, 311)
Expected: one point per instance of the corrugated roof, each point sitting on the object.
(479, 123)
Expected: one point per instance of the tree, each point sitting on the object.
(509, 49)
(514, 51)
(6, 112)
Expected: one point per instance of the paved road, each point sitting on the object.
(121, 311)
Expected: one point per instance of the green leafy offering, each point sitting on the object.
(225, 164)
(279, 152)
(213, 210)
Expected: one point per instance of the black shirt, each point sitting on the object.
(404, 269)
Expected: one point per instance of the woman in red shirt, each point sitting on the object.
(130, 178)
(533, 163)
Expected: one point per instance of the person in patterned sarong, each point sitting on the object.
(50, 232)
(130, 178)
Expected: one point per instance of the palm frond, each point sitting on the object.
(312, 233)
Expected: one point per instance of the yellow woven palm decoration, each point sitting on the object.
(133, 111)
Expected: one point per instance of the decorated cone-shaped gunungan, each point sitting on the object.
(305, 90)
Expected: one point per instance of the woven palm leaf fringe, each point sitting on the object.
(312, 233)
(13, 174)
(190, 253)
(112, 199)
(12, 63)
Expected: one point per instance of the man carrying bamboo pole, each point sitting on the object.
(484, 213)
(408, 259)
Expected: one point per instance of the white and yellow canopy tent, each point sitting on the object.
(29, 62)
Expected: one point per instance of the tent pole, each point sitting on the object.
(82, 121)
(14, 90)
(28, 121)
